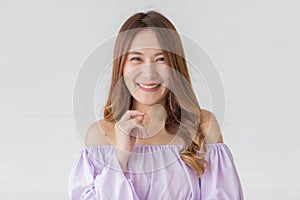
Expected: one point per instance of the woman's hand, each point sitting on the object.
(126, 131)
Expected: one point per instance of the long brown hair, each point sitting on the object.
(187, 102)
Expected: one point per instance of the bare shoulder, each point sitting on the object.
(212, 130)
(99, 133)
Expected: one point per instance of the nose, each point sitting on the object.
(149, 72)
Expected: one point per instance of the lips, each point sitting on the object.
(148, 85)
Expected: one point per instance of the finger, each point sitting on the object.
(132, 113)
(140, 119)
(136, 123)
(130, 128)
(135, 112)
(136, 128)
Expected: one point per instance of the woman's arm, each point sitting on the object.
(221, 181)
(90, 179)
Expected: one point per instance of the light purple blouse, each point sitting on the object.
(153, 172)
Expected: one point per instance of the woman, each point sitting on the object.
(154, 141)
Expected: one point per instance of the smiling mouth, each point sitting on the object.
(148, 85)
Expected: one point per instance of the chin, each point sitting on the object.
(149, 103)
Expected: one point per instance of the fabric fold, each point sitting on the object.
(91, 180)
(221, 182)
(153, 172)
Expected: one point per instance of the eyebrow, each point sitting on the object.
(140, 53)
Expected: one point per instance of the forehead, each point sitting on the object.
(145, 39)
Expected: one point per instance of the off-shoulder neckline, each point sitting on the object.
(152, 145)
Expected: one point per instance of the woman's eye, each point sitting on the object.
(136, 59)
(160, 59)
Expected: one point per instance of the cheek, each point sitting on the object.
(127, 68)
(166, 76)
(128, 77)
(124, 70)
(165, 72)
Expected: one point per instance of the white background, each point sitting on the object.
(255, 46)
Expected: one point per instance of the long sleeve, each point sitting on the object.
(91, 180)
(221, 182)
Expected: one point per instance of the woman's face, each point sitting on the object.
(145, 71)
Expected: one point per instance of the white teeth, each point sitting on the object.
(148, 86)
